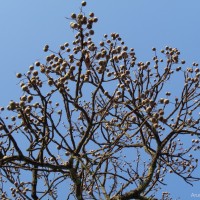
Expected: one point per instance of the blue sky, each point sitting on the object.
(26, 26)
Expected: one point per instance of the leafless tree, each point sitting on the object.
(93, 122)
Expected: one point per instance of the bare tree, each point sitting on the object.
(95, 123)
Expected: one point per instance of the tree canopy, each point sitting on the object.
(93, 122)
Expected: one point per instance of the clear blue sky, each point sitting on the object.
(26, 26)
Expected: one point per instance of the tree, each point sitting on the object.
(97, 120)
